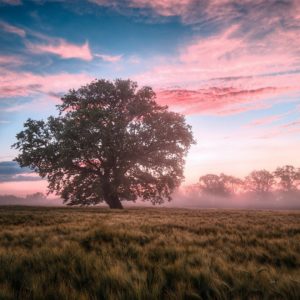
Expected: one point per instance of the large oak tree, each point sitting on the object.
(110, 142)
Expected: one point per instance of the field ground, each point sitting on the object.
(96, 253)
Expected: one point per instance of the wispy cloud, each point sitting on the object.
(266, 15)
(62, 48)
(10, 60)
(56, 46)
(66, 49)
(226, 68)
(13, 84)
(10, 171)
(213, 100)
(109, 58)
(292, 128)
(228, 55)
(251, 47)
(12, 29)
(265, 120)
(292, 124)
(11, 2)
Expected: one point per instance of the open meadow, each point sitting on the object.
(148, 253)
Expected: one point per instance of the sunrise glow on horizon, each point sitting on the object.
(233, 69)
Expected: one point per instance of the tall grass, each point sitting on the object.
(71, 253)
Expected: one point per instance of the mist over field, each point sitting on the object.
(183, 198)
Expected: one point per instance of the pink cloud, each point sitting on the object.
(281, 131)
(163, 7)
(265, 14)
(62, 48)
(265, 120)
(292, 124)
(237, 69)
(10, 60)
(14, 84)
(11, 2)
(226, 69)
(109, 58)
(212, 100)
(227, 55)
(12, 29)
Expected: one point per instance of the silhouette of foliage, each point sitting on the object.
(110, 142)
(259, 181)
(281, 185)
(223, 185)
(289, 178)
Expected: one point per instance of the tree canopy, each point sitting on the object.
(260, 181)
(289, 177)
(220, 185)
(110, 142)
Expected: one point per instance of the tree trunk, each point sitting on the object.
(110, 194)
(114, 202)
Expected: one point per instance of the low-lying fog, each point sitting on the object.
(185, 198)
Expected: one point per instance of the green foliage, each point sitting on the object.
(111, 142)
(95, 253)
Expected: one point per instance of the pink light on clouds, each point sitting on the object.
(264, 14)
(12, 29)
(265, 120)
(11, 2)
(227, 55)
(291, 128)
(211, 100)
(14, 84)
(10, 60)
(216, 72)
(63, 49)
(163, 7)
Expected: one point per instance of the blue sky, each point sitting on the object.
(233, 68)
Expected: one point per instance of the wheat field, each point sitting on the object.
(148, 253)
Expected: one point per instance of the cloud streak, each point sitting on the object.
(62, 48)
(266, 120)
(12, 29)
(57, 46)
(11, 2)
(10, 60)
(109, 58)
(213, 100)
(11, 172)
(266, 15)
(14, 84)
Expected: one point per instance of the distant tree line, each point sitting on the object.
(262, 183)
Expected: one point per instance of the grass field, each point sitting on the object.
(71, 253)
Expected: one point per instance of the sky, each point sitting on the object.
(231, 67)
